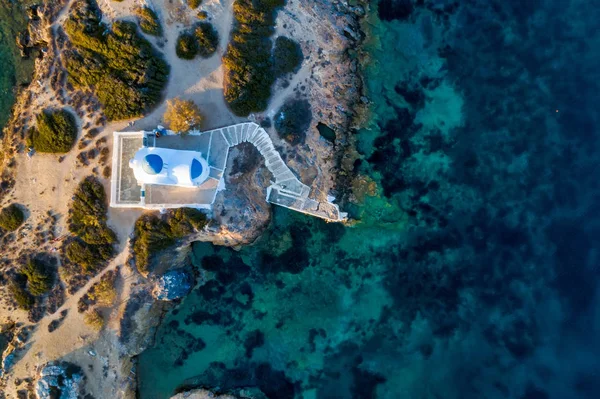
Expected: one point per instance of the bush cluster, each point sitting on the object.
(126, 72)
(11, 217)
(93, 241)
(186, 46)
(202, 40)
(152, 233)
(56, 131)
(35, 278)
(287, 56)
(148, 21)
(40, 277)
(247, 61)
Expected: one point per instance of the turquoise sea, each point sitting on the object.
(474, 271)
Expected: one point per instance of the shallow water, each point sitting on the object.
(474, 271)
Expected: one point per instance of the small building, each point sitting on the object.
(160, 169)
(169, 167)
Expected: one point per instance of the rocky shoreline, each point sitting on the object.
(333, 87)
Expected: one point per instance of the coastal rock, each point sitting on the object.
(174, 284)
(60, 380)
(239, 393)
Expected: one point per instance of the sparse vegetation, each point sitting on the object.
(56, 131)
(148, 21)
(94, 319)
(186, 47)
(248, 62)
(182, 115)
(287, 56)
(11, 217)
(292, 120)
(40, 277)
(207, 37)
(122, 67)
(152, 234)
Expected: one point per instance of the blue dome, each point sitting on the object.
(152, 164)
(196, 169)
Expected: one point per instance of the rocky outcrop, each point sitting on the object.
(60, 380)
(239, 393)
(36, 34)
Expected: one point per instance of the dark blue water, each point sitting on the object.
(474, 270)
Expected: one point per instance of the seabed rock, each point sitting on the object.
(174, 284)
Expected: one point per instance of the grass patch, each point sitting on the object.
(55, 131)
(126, 73)
(153, 233)
(287, 56)
(11, 217)
(148, 21)
(248, 63)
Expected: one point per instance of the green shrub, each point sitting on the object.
(56, 131)
(23, 298)
(94, 319)
(88, 257)
(126, 72)
(104, 292)
(92, 245)
(292, 120)
(202, 15)
(11, 217)
(194, 3)
(287, 56)
(152, 234)
(87, 215)
(186, 47)
(247, 61)
(148, 21)
(40, 277)
(207, 39)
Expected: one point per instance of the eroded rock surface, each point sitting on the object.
(60, 380)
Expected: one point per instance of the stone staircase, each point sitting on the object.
(286, 189)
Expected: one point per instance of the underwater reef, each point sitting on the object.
(473, 270)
